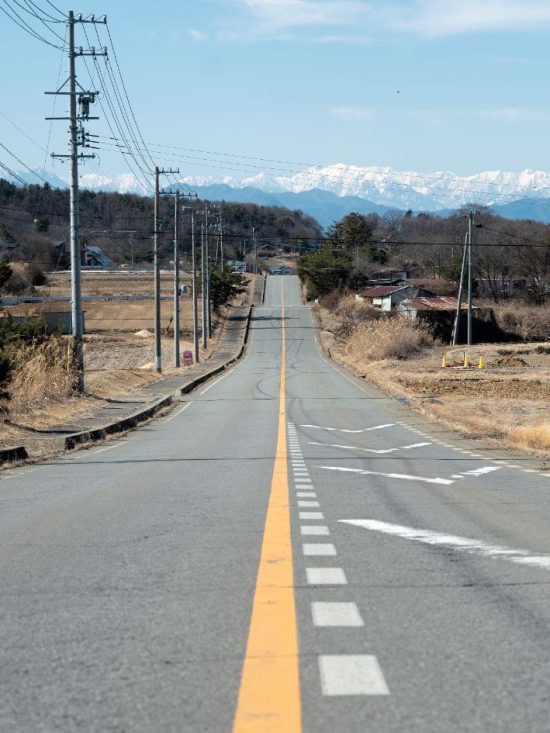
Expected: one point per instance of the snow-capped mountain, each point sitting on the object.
(376, 186)
(400, 189)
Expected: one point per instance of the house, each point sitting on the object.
(387, 297)
(415, 306)
(94, 256)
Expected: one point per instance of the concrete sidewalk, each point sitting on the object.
(154, 396)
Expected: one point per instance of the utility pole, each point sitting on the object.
(77, 138)
(470, 284)
(203, 291)
(221, 241)
(195, 304)
(156, 266)
(456, 327)
(176, 283)
(255, 250)
(207, 248)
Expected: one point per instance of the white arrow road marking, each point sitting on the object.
(403, 476)
(461, 544)
(343, 430)
(372, 450)
(481, 471)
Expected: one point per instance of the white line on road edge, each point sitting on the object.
(351, 674)
(89, 454)
(403, 476)
(372, 450)
(311, 515)
(343, 430)
(461, 544)
(178, 413)
(335, 614)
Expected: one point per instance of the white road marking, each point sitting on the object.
(403, 476)
(311, 515)
(308, 504)
(319, 550)
(480, 471)
(343, 430)
(461, 544)
(90, 453)
(306, 494)
(335, 614)
(372, 450)
(314, 530)
(299, 480)
(351, 674)
(326, 576)
(109, 447)
(178, 413)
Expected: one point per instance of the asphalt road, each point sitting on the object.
(289, 550)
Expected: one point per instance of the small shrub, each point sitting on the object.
(5, 273)
(35, 274)
(17, 284)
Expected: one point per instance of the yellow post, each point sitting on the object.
(444, 362)
(481, 362)
(466, 361)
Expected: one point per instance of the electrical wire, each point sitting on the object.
(25, 26)
(143, 182)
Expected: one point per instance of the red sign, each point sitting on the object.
(187, 358)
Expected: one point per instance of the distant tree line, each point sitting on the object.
(510, 257)
(35, 218)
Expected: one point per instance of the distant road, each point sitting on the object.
(288, 551)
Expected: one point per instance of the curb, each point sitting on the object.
(16, 453)
(125, 423)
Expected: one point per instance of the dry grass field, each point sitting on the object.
(508, 400)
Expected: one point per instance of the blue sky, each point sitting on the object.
(413, 84)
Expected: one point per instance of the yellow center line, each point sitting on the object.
(269, 696)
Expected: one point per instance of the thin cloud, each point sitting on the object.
(345, 20)
(442, 18)
(196, 35)
(506, 115)
(352, 114)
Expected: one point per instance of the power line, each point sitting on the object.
(25, 26)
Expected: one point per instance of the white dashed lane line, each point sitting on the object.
(351, 674)
(319, 549)
(326, 576)
(339, 674)
(326, 613)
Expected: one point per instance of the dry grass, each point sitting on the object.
(46, 374)
(528, 322)
(391, 338)
(509, 401)
(532, 436)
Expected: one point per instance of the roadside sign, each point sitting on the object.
(187, 358)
